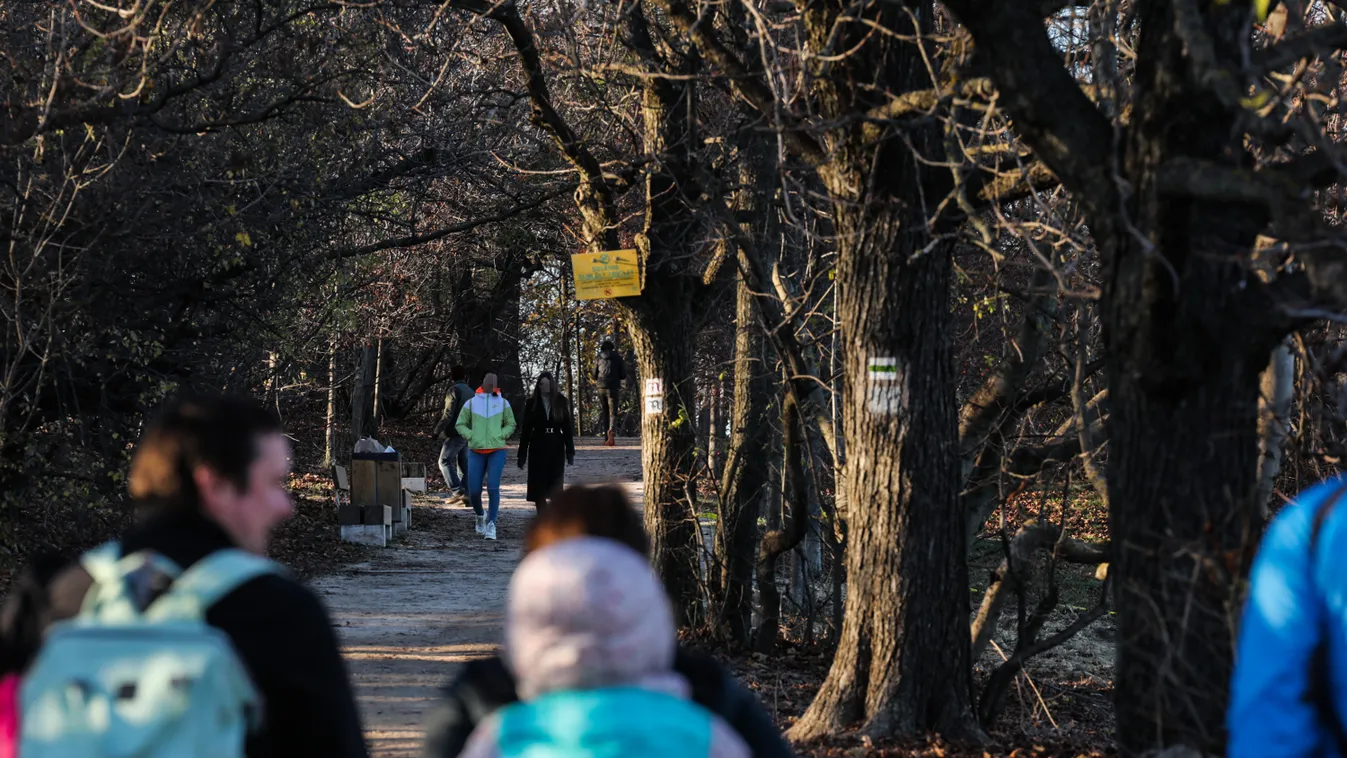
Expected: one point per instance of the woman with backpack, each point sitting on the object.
(546, 440)
(482, 687)
(182, 638)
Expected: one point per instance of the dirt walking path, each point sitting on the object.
(411, 613)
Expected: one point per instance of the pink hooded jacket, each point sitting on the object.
(589, 613)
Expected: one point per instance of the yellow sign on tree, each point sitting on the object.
(600, 276)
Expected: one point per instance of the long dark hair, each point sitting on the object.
(553, 396)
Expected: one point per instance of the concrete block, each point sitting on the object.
(350, 515)
(403, 520)
(381, 515)
(372, 535)
(414, 484)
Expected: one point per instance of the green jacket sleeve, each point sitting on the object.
(464, 423)
(507, 427)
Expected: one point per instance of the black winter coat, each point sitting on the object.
(546, 443)
(280, 629)
(485, 685)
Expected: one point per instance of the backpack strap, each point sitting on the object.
(1320, 694)
(207, 581)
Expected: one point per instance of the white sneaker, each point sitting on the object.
(481, 525)
(491, 530)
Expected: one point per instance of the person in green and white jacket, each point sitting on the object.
(486, 422)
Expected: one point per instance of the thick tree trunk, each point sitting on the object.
(665, 350)
(1181, 473)
(362, 399)
(1186, 344)
(746, 470)
(903, 664)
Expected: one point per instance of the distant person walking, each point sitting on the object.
(454, 450)
(546, 440)
(609, 374)
(487, 422)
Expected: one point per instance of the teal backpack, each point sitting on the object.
(121, 681)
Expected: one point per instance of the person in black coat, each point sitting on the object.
(546, 440)
(483, 686)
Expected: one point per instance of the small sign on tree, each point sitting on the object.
(654, 396)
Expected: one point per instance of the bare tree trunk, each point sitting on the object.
(1277, 387)
(380, 392)
(778, 542)
(746, 470)
(578, 390)
(273, 380)
(362, 400)
(715, 421)
(567, 336)
(330, 428)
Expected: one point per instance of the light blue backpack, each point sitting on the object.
(120, 681)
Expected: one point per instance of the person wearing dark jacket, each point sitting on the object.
(454, 447)
(483, 686)
(210, 474)
(546, 440)
(609, 373)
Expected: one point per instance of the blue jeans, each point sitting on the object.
(453, 458)
(485, 468)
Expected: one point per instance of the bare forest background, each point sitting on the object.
(990, 331)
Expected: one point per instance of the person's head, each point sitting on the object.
(490, 383)
(607, 345)
(588, 511)
(583, 613)
(223, 457)
(546, 387)
(457, 373)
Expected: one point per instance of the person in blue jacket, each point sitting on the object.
(1289, 690)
